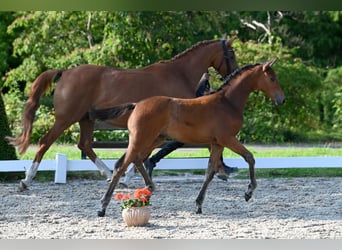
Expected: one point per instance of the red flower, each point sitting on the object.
(118, 196)
(142, 194)
(141, 198)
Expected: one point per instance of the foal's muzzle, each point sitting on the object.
(279, 99)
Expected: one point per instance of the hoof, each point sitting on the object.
(101, 213)
(222, 177)
(230, 170)
(248, 196)
(22, 186)
(199, 211)
(123, 185)
(152, 187)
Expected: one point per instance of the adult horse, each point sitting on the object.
(88, 86)
(213, 119)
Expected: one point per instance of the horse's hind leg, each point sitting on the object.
(43, 145)
(215, 153)
(85, 145)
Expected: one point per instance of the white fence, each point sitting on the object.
(61, 165)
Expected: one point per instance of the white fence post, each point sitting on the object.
(61, 168)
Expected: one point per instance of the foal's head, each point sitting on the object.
(268, 83)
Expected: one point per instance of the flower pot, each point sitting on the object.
(136, 216)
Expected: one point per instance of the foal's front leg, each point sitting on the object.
(148, 182)
(119, 169)
(238, 148)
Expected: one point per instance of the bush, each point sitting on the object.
(300, 83)
(7, 152)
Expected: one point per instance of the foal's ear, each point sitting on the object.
(268, 64)
(230, 41)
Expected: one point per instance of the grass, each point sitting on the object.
(73, 153)
(291, 150)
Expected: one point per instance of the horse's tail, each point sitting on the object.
(39, 86)
(112, 112)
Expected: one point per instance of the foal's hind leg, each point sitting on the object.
(85, 145)
(141, 169)
(43, 145)
(215, 155)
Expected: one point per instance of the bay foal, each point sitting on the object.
(213, 119)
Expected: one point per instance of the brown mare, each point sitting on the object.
(88, 86)
(213, 119)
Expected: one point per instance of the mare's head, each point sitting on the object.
(268, 83)
(225, 61)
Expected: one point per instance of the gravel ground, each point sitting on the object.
(297, 208)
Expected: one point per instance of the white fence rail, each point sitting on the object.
(62, 165)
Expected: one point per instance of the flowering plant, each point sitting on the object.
(141, 198)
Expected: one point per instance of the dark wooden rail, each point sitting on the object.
(120, 144)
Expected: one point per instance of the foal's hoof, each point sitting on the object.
(248, 196)
(123, 185)
(22, 186)
(199, 210)
(152, 187)
(222, 177)
(101, 213)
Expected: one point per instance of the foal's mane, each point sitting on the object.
(235, 74)
(187, 51)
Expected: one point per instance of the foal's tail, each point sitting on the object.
(112, 112)
(39, 86)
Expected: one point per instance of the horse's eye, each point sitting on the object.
(272, 78)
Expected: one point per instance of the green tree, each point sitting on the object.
(64, 39)
(331, 99)
(6, 61)
(7, 152)
(301, 85)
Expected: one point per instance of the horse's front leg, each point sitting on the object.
(214, 161)
(119, 169)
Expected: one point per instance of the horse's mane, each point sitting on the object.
(235, 74)
(187, 51)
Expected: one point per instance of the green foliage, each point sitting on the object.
(304, 41)
(332, 98)
(300, 83)
(7, 152)
(315, 35)
(5, 44)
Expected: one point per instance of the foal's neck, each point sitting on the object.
(239, 89)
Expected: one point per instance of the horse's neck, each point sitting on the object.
(196, 62)
(239, 90)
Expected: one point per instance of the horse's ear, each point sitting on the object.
(224, 36)
(230, 41)
(268, 64)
